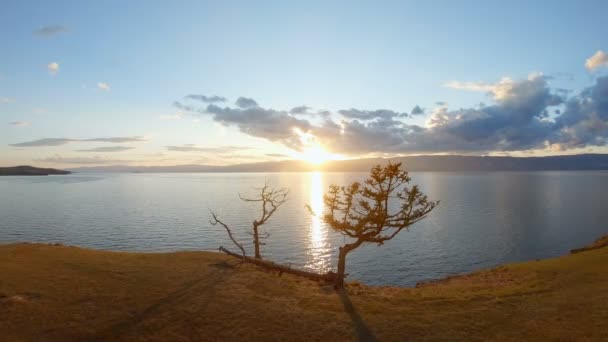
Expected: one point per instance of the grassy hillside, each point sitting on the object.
(66, 293)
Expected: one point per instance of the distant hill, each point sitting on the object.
(452, 163)
(26, 170)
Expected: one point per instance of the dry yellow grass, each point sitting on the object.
(67, 293)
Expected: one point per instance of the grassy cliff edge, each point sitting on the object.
(50, 292)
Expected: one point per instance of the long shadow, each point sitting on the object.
(362, 330)
(208, 289)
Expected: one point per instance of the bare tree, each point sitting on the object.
(364, 212)
(271, 199)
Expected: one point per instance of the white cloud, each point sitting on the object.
(19, 123)
(599, 59)
(103, 86)
(6, 100)
(501, 90)
(53, 68)
(472, 86)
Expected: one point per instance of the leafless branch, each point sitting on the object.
(214, 221)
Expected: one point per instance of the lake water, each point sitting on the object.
(483, 220)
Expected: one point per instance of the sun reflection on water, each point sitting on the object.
(319, 247)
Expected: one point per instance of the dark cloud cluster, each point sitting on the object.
(584, 120)
(244, 102)
(417, 110)
(524, 115)
(251, 119)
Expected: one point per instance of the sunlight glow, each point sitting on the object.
(313, 152)
(319, 245)
(315, 155)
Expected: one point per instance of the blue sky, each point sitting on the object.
(122, 65)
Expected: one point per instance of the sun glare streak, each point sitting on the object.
(318, 232)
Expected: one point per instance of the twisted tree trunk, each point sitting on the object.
(343, 251)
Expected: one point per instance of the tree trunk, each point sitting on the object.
(341, 267)
(344, 250)
(329, 277)
(256, 242)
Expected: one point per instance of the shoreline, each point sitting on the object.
(55, 292)
(600, 242)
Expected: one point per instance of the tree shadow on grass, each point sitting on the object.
(203, 289)
(361, 328)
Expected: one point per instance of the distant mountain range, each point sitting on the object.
(453, 163)
(26, 170)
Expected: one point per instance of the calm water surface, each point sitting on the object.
(484, 219)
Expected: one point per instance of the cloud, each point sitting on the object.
(270, 124)
(417, 110)
(501, 90)
(58, 159)
(63, 141)
(472, 86)
(244, 102)
(116, 139)
(300, 110)
(103, 86)
(53, 68)
(277, 155)
(107, 149)
(370, 114)
(43, 142)
(6, 100)
(521, 115)
(206, 99)
(518, 121)
(49, 31)
(584, 120)
(217, 150)
(599, 59)
(19, 123)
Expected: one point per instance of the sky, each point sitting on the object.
(86, 83)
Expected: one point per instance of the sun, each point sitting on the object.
(312, 150)
(315, 155)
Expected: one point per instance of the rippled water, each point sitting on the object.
(484, 219)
